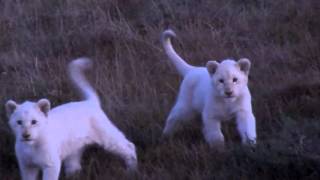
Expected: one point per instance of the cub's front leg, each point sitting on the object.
(52, 171)
(28, 173)
(212, 131)
(246, 125)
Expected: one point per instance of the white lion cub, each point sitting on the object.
(45, 138)
(218, 92)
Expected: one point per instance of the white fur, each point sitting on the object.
(218, 92)
(45, 138)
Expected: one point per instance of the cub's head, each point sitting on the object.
(229, 78)
(28, 119)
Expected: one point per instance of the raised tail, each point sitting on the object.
(76, 69)
(182, 67)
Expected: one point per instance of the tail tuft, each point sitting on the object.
(76, 72)
(81, 63)
(167, 34)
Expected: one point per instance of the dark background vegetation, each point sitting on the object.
(138, 86)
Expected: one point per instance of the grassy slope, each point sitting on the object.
(138, 86)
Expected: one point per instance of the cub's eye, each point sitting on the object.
(235, 79)
(19, 122)
(33, 122)
(221, 80)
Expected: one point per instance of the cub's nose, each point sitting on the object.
(228, 93)
(26, 135)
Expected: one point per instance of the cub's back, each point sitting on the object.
(73, 119)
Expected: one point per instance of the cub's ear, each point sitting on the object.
(244, 65)
(44, 105)
(212, 67)
(10, 106)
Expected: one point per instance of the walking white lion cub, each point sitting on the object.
(218, 92)
(45, 138)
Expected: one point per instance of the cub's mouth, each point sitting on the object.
(26, 139)
(229, 96)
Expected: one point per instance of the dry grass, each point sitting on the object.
(138, 86)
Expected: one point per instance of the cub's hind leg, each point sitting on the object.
(179, 113)
(114, 141)
(72, 163)
(182, 110)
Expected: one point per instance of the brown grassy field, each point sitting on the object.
(137, 84)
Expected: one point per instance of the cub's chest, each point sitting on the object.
(224, 111)
(33, 156)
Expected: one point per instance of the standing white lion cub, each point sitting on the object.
(45, 138)
(218, 92)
